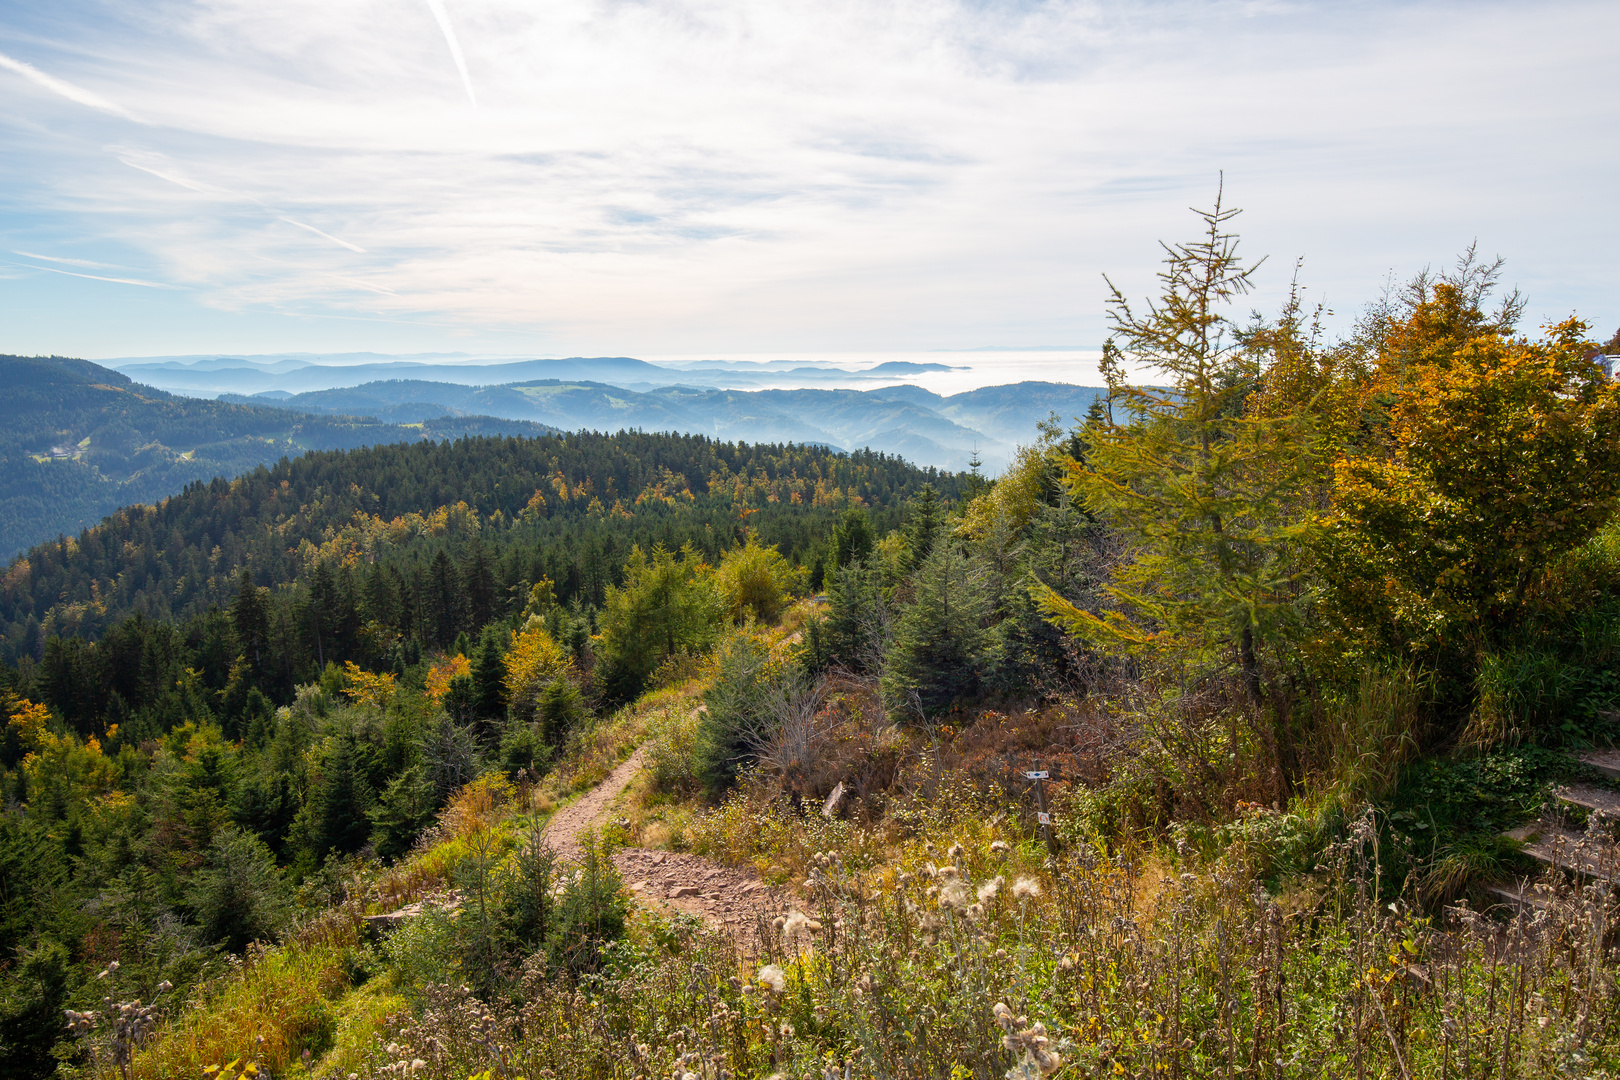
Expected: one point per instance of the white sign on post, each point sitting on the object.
(1044, 818)
(1037, 774)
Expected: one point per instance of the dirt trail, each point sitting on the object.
(726, 897)
(562, 831)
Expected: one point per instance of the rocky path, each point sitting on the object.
(725, 897)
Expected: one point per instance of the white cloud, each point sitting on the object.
(676, 175)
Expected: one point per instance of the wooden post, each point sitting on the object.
(1038, 776)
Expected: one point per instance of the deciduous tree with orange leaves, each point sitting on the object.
(1485, 457)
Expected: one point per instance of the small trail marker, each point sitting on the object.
(1037, 778)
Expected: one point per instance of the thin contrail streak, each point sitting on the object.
(66, 261)
(336, 240)
(368, 286)
(78, 94)
(98, 277)
(443, 17)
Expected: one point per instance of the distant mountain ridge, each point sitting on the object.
(78, 441)
(209, 375)
(921, 426)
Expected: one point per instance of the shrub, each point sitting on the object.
(281, 996)
(591, 911)
(672, 750)
(752, 693)
(421, 951)
(941, 649)
(404, 811)
(239, 894)
(757, 582)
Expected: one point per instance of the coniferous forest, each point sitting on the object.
(1260, 722)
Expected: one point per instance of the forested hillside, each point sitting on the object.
(78, 440)
(508, 512)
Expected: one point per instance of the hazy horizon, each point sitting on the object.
(969, 370)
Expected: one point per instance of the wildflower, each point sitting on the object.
(774, 977)
(988, 890)
(955, 853)
(1026, 888)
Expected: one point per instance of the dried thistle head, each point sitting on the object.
(797, 928)
(989, 889)
(1026, 889)
(774, 977)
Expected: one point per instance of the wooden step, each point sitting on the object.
(1606, 762)
(1516, 896)
(1594, 800)
(1555, 846)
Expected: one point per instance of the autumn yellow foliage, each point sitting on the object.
(534, 661)
(1496, 455)
(439, 676)
(366, 687)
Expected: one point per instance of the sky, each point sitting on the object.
(749, 177)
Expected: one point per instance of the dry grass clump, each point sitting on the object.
(277, 1005)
